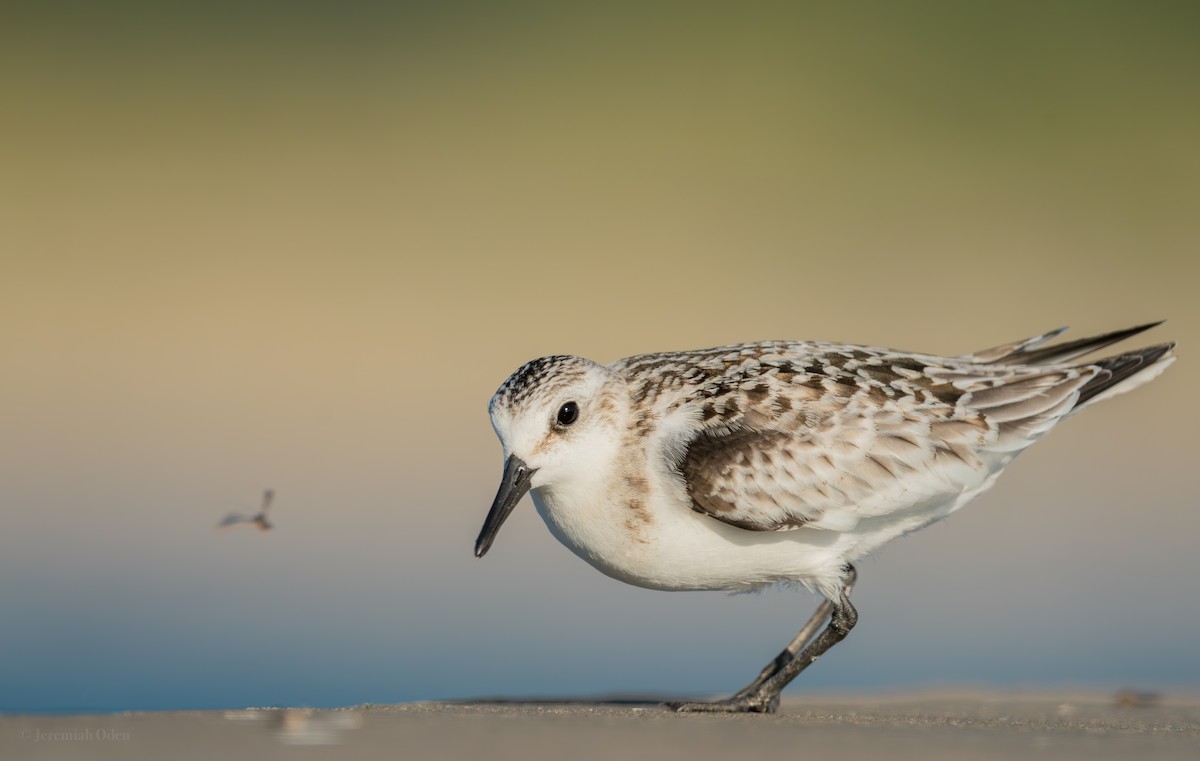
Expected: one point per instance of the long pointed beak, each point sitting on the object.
(513, 486)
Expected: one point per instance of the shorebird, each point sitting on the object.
(746, 466)
(259, 521)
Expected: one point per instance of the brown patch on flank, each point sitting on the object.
(638, 519)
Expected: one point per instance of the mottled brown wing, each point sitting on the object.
(825, 451)
(852, 464)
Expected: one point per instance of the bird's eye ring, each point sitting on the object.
(568, 413)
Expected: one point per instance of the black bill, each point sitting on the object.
(513, 486)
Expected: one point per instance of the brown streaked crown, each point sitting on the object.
(538, 377)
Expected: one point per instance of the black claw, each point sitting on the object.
(733, 705)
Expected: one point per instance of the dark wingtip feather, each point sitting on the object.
(1122, 367)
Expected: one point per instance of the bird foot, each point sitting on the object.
(756, 703)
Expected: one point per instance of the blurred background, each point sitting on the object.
(297, 245)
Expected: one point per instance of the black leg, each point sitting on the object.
(800, 640)
(762, 695)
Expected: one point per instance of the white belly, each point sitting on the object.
(680, 549)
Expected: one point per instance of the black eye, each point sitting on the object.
(568, 413)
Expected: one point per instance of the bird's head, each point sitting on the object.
(558, 418)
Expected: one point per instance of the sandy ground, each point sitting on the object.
(927, 727)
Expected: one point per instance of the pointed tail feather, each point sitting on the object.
(1026, 352)
(1066, 352)
(999, 353)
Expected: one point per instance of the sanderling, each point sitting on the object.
(745, 466)
(259, 521)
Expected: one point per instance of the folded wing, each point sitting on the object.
(824, 436)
